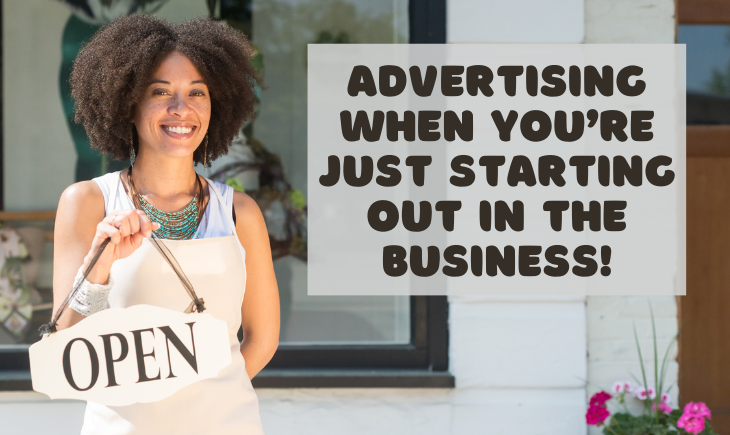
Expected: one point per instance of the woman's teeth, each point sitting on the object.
(178, 130)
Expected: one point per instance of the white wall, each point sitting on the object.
(556, 21)
(519, 364)
(629, 21)
(612, 352)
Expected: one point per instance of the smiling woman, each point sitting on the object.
(168, 96)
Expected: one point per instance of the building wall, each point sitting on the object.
(520, 362)
(612, 354)
(629, 21)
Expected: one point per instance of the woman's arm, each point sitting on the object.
(80, 229)
(80, 209)
(260, 309)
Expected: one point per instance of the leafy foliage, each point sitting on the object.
(623, 423)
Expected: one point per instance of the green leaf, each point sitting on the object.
(235, 183)
(665, 366)
(626, 424)
(658, 394)
(641, 359)
(297, 199)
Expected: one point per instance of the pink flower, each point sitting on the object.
(691, 423)
(698, 409)
(619, 387)
(600, 398)
(628, 387)
(597, 414)
(666, 398)
(651, 392)
(663, 407)
(640, 393)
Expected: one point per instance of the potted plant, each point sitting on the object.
(657, 417)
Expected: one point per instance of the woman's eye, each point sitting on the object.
(198, 93)
(159, 92)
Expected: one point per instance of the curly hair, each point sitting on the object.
(110, 75)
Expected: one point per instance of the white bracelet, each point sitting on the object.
(90, 298)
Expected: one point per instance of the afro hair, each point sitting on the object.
(111, 72)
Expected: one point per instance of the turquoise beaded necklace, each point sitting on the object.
(179, 225)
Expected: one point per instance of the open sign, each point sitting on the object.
(130, 355)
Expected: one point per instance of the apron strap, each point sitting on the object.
(197, 304)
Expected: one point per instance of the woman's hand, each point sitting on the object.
(126, 229)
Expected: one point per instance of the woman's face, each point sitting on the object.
(173, 115)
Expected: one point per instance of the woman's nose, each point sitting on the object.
(179, 106)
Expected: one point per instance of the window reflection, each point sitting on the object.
(708, 72)
(41, 40)
(271, 157)
(26, 297)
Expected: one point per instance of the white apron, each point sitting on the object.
(224, 405)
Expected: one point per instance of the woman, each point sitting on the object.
(169, 96)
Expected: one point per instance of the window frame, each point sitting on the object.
(423, 362)
(703, 141)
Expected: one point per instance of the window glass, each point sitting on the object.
(44, 151)
(708, 72)
(281, 30)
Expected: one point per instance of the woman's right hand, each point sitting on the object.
(126, 229)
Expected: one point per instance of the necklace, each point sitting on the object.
(179, 225)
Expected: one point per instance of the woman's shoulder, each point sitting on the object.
(83, 197)
(248, 213)
(80, 209)
(244, 204)
(82, 191)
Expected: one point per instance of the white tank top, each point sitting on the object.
(215, 264)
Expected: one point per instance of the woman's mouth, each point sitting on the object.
(178, 132)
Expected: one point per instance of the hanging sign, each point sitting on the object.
(122, 356)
